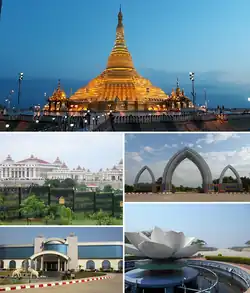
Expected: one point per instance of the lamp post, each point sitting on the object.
(205, 96)
(191, 77)
(19, 87)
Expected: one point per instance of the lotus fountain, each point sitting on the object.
(160, 264)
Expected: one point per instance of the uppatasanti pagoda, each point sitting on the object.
(119, 86)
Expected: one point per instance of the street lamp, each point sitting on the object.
(8, 99)
(19, 87)
(191, 77)
(205, 94)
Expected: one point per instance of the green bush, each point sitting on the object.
(102, 218)
(219, 254)
(233, 259)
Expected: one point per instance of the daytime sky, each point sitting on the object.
(154, 150)
(89, 150)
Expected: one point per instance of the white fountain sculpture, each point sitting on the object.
(161, 244)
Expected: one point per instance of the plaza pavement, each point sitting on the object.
(113, 285)
(187, 197)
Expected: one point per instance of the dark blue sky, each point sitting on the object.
(72, 39)
(26, 235)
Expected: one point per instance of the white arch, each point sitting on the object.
(47, 252)
(55, 239)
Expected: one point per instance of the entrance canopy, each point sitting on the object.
(49, 252)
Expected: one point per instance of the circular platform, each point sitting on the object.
(160, 278)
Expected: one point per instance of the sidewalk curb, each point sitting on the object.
(52, 284)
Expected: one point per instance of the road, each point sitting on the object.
(114, 285)
(187, 197)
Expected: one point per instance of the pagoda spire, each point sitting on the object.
(177, 83)
(120, 17)
(59, 84)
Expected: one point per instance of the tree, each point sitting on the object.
(32, 206)
(66, 213)
(2, 208)
(129, 188)
(108, 188)
(68, 183)
(54, 183)
(248, 242)
(82, 187)
(199, 242)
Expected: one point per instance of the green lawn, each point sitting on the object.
(81, 219)
(81, 275)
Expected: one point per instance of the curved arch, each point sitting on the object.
(120, 265)
(90, 265)
(137, 177)
(197, 159)
(106, 265)
(62, 241)
(235, 173)
(12, 264)
(49, 252)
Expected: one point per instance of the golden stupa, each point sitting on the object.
(57, 100)
(178, 98)
(119, 81)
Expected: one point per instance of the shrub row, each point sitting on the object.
(233, 259)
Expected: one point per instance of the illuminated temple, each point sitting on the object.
(119, 86)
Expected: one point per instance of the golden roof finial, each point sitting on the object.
(120, 16)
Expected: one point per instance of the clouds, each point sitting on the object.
(134, 156)
(89, 150)
(217, 137)
(218, 150)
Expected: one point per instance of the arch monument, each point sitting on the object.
(139, 175)
(229, 167)
(197, 159)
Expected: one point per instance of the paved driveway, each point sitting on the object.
(114, 285)
(187, 197)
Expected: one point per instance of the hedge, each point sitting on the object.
(233, 259)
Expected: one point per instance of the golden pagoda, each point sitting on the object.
(119, 82)
(58, 100)
(178, 99)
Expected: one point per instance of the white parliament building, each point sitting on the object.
(34, 170)
(56, 254)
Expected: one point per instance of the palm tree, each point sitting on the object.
(199, 242)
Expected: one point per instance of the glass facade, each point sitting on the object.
(100, 251)
(62, 248)
(16, 252)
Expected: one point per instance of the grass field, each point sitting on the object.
(81, 219)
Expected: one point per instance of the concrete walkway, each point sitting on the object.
(187, 197)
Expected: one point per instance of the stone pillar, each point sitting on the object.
(154, 189)
(58, 265)
(42, 263)
(36, 264)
